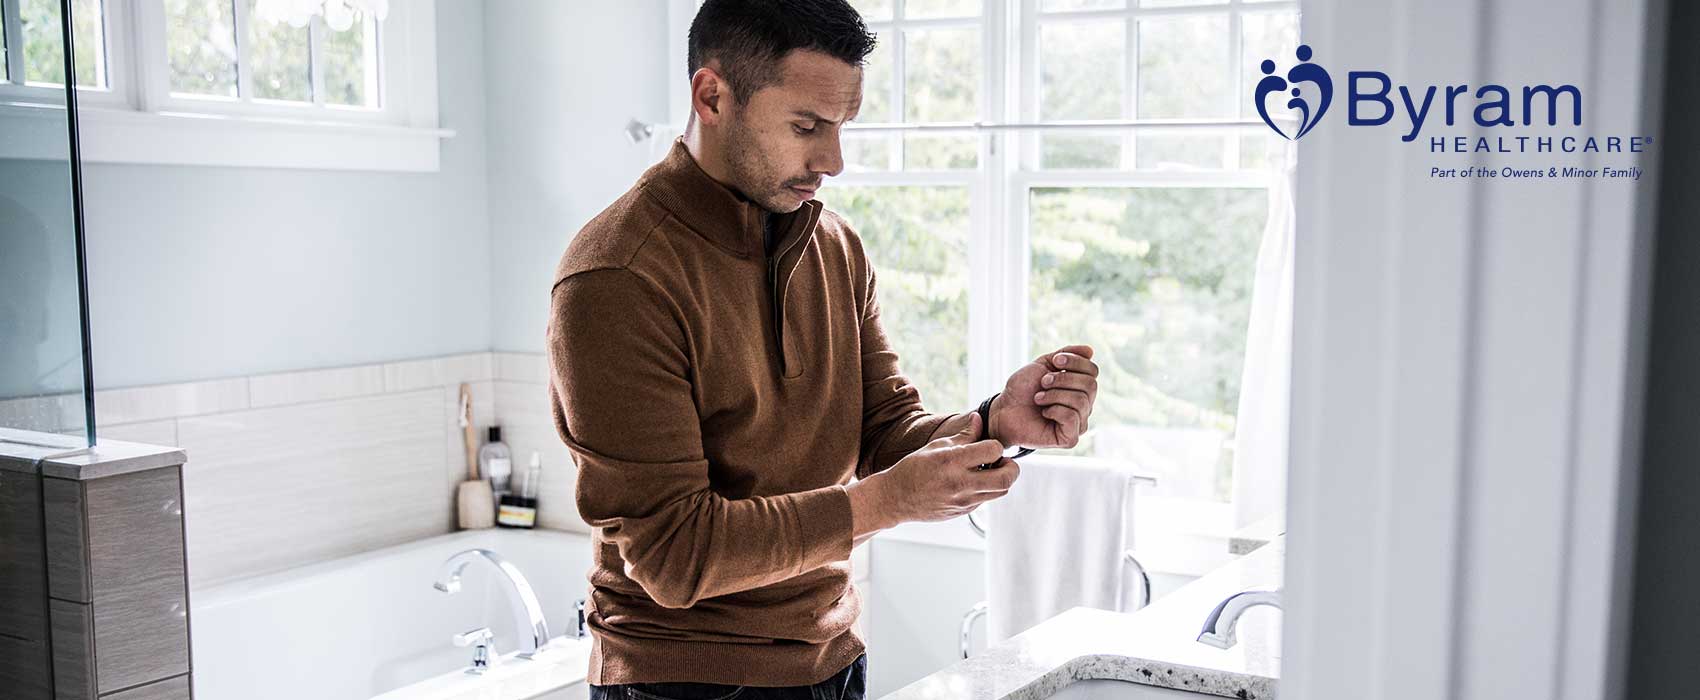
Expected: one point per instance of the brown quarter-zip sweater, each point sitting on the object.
(717, 400)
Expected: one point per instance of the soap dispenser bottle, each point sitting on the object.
(496, 462)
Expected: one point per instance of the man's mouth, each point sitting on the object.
(806, 192)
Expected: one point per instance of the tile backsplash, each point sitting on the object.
(294, 468)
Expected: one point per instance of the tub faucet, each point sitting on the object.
(527, 613)
(1219, 627)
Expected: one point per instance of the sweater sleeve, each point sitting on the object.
(622, 378)
(893, 422)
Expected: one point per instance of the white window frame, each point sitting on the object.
(1195, 533)
(136, 118)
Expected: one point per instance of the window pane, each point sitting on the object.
(873, 10)
(926, 9)
(200, 42)
(941, 151)
(1179, 151)
(351, 64)
(1179, 3)
(278, 59)
(1260, 148)
(877, 79)
(44, 58)
(1158, 282)
(1072, 5)
(1183, 67)
(942, 75)
(1265, 35)
(1082, 75)
(917, 239)
(870, 152)
(1081, 69)
(1070, 151)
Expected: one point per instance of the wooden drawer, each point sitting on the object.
(23, 598)
(73, 648)
(24, 669)
(67, 540)
(118, 544)
(168, 689)
(137, 576)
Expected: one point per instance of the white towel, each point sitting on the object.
(1055, 541)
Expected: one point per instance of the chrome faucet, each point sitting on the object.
(527, 613)
(1219, 627)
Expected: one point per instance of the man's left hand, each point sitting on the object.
(1048, 401)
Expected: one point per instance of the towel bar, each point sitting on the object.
(981, 529)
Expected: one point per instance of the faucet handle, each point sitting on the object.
(481, 636)
(483, 642)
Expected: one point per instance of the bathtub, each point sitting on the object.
(372, 623)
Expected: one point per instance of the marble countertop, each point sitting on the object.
(1152, 646)
(106, 458)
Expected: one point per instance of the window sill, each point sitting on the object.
(108, 135)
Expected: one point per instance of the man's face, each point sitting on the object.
(784, 142)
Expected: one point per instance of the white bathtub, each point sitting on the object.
(363, 625)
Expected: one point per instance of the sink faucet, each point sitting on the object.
(527, 613)
(1219, 627)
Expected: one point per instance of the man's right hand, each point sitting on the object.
(937, 482)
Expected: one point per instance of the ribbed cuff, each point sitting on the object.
(823, 518)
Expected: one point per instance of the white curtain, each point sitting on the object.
(1260, 434)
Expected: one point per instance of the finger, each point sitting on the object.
(1067, 419)
(1061, 379)
(964, 436)
(1081, 350)
(974, 454)
(1078, 381)
(1073, 362)
(992, 479)
(1077, 400)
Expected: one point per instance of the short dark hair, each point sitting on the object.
(751, 37)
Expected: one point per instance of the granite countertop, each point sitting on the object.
(106, 458)
(1257, 534)
(1153, 646)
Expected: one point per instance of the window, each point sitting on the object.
(325, 84)
(251, 52)
(1123, 207)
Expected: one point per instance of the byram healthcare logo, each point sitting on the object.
(1373, 99)
(1304, 72)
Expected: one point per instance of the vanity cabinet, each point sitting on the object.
(94, 601)
(117, 577)
(23, 590)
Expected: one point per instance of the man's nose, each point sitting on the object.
(829, 158)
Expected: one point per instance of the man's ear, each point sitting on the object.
(709, 95)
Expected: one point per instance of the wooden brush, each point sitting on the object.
(474, 501)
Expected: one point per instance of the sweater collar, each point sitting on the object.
(720, 213)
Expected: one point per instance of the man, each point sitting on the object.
(719, 371)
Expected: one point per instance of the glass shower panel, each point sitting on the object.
(43, 329)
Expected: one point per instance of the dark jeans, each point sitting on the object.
(848, 684)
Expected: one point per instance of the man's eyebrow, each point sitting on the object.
(806, 114)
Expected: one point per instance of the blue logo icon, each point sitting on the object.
(1304, 72)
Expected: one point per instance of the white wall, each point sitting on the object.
(1465, 356)
(563, 79)
(202, 272)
